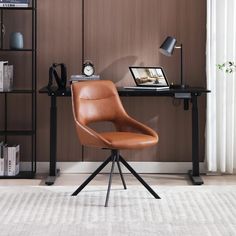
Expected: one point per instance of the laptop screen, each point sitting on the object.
(149, 76)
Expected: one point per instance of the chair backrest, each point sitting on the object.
(96, 101)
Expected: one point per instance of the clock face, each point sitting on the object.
(88, 70)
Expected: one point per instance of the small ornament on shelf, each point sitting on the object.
(16, 40)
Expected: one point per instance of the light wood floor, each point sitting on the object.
(102, 179)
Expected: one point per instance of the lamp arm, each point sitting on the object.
(181, 63)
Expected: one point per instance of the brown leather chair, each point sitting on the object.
(94, 101)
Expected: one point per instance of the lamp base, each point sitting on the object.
(178, 86)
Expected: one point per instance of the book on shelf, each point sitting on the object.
(2, 64)
(14, 3)
(13, 160)
(6, 76)
(9, 160)
(2, 164)
(5, 153)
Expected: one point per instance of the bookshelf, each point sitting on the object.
(29, 53)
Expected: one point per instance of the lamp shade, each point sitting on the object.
(168, 46)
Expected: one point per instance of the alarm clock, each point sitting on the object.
(88, 68)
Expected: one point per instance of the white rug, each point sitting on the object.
(46, 211)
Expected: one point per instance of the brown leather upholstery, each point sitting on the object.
(94, 101)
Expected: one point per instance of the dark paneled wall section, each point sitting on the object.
(117, 34)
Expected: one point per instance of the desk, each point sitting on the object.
(190, 94)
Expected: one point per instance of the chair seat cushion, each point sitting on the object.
(129, 140)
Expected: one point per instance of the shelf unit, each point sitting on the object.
(31, 92)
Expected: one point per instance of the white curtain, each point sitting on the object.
(221, 102)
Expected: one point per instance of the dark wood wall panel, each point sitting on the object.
(123, 33)
(118, 33)
(59, 40)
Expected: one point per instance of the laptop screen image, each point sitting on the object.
(149, 76)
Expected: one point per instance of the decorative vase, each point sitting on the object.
(16, 40)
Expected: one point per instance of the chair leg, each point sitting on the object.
(110, 179)
(92, 176)
(121, 174)
(138, 177)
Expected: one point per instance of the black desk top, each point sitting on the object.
(197, 91)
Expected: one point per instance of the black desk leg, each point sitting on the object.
(53, 172)
(194, 173)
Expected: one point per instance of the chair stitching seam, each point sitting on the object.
(97, 98)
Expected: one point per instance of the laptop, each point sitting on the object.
(149, 78)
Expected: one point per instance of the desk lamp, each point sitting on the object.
(167, 49)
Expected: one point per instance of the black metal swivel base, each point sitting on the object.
(115, 157)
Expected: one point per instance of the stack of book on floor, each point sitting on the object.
(6, 76)
(14, 3)
(9, 159)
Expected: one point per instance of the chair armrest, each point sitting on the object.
(89, 137)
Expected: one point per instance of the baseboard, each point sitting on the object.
(140, 167)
